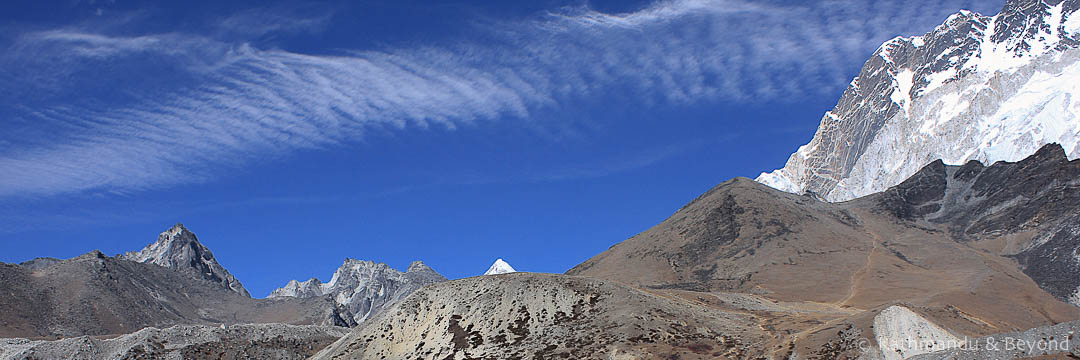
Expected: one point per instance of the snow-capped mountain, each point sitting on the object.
(364, 288)
(179, 249)
(499, 267)
(986, 88)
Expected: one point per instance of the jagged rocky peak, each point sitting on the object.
(363, 288)
(986, 88)
(178, 248)
(500, 267)
(418, 266)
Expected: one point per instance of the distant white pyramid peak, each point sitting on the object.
(500, 267)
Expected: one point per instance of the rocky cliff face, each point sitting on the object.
(179, 249)
(364, 288)
(986, 88)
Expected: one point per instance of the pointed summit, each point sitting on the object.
(177, 248)
(307, 289)
(418, 266)
(500, 267)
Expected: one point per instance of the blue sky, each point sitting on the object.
(289, 135)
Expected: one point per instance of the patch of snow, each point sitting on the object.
(902, 96)
(1057, 14)
(778, 180)
(500, 267)
(952, 105)
(961, 14)
(994, 57)
(1072, 24)
(938, 79)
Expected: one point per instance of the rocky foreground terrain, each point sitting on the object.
(1056, 341)
(266, 341)
(540, 316)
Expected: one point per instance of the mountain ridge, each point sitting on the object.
(363, 288)
(95, 294)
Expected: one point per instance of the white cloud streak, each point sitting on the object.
(249, 104)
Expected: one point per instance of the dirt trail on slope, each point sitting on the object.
(859, 275)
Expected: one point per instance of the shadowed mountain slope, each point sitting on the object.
(94, 294)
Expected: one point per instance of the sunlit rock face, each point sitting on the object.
(179, 249)
(364, 288)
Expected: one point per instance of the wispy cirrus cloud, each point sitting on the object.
(239, 103)
(286, 18)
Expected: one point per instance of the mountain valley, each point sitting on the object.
(936, 207)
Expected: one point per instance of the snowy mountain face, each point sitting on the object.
(364, 288)
(179, 249)
(500, 267)
(975, 88)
